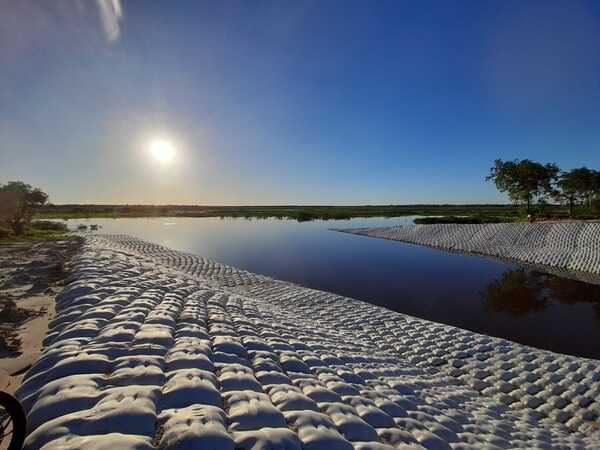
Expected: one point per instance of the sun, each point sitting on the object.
(162, 150)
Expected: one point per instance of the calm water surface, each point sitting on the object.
(480, 294)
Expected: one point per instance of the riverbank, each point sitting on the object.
(38, 230)
(31, 275)
(573, 246)
(154, 348)
(300, 213)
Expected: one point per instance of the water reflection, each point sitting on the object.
(521, 305)
(523, 291)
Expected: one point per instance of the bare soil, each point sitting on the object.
(31, 275)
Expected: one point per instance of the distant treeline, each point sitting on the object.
(300, 213)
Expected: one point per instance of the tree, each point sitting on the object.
(577, 185)
(566, 193)
(523, 180)
(9, 203)
(17, 201)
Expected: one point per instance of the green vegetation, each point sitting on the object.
(525, 181)
(17, 202)
(503, 213)
(579, 186)
(300, 213)
(529, 184)
(35, 231)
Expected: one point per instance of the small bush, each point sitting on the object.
(37, 230)
(49, 225)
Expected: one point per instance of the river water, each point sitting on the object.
(481, 294)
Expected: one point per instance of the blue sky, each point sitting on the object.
(292, 102)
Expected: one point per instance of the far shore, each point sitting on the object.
(481, 213)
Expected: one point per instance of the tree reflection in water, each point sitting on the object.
(522, 291)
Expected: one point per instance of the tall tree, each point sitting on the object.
(523, 180)
(566, 193)
(577, 186)
(18, 200)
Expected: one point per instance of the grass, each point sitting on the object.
(300, 213)
(36, 231)
(456, 213)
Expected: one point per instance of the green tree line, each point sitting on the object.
(526, 182)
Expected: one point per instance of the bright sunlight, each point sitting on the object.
(162, 150)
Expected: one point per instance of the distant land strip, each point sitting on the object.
(484, 212)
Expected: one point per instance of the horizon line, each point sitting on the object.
(196, 205)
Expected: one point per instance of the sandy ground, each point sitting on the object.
(31, 274)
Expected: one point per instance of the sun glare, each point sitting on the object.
(162, 151)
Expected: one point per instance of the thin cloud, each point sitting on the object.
(111, 14)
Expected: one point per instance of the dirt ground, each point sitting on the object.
(31, 275)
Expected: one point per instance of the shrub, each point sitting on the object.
(49, 225)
